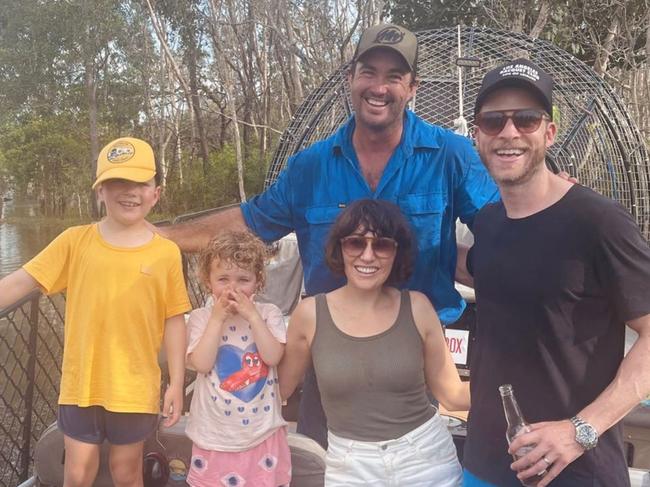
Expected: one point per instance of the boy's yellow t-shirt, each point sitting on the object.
(117, 301)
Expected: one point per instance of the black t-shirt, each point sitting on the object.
(553, 291)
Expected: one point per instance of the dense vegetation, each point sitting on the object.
(212, 83)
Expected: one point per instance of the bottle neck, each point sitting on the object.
(512, 411)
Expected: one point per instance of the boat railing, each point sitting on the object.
(31, 346)
(31, 349)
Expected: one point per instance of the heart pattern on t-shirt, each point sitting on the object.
(241, 371)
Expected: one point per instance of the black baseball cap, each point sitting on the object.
(521, 73)
(390, 36)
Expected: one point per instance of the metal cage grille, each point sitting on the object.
(597, 141)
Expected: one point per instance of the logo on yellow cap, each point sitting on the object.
(122, 151)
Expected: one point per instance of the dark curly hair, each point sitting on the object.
(382, 218)
(240, 248)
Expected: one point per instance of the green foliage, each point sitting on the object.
(432, 14)
(196, 192)
(581, 27)
(55, 53)
(47, 161)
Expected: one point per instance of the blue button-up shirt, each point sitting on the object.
(434, 176)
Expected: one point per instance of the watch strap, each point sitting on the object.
(577, 421)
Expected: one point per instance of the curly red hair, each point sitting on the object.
(240, 248)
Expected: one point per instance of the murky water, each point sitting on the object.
(24, 235)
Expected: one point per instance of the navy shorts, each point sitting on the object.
(94, 424)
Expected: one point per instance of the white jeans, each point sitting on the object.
(424, 457)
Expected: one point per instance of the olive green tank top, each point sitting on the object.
(372, 388)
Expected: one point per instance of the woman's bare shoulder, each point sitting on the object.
(424, 314)
(420, 301)
(303, 317)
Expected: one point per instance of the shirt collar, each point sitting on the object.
(413, 137)
(420, 138)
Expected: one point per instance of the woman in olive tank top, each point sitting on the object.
(375, 350)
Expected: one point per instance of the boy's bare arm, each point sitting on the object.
(16, 286)
(194, 235)
(174, 340)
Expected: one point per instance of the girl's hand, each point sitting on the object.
(244, 306)
(224, 306)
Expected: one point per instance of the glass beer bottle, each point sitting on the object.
(517, 425)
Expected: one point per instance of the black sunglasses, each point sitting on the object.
(355, 245)
(526, 121)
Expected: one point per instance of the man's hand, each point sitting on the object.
(555, 448)
(172, 405)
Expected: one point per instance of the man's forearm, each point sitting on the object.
(629, 387)
(194, 235)
(462, 273)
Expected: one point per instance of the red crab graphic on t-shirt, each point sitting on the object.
(252, 370)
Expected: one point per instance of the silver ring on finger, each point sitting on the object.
(547, 461)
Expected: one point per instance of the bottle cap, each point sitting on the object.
(505, 389)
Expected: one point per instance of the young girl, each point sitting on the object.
(235, 344)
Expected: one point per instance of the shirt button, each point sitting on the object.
(383, 447)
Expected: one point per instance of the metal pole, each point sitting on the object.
(25, 457)
(460, 76)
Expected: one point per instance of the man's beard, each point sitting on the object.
(533, 165)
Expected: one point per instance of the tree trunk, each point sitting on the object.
(644, 75)
(542, 19)
(266, 98)
(518, 20)
(232, 108)
(168, 54)
(91, 97)
(296, 93)
(605, 50)
(196, 106)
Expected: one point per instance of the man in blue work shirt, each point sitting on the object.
(383, 151)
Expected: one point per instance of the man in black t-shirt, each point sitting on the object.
(558, 271)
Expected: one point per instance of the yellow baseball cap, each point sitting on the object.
(126, 158)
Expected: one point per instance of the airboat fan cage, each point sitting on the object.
(597, 140)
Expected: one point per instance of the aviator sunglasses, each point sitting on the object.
(355, 245)
(525, 121)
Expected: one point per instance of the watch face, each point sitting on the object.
(586, 435)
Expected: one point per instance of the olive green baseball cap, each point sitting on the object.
(391, 36)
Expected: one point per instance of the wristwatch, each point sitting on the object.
(586, 434)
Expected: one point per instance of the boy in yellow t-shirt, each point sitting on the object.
(125, 297)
